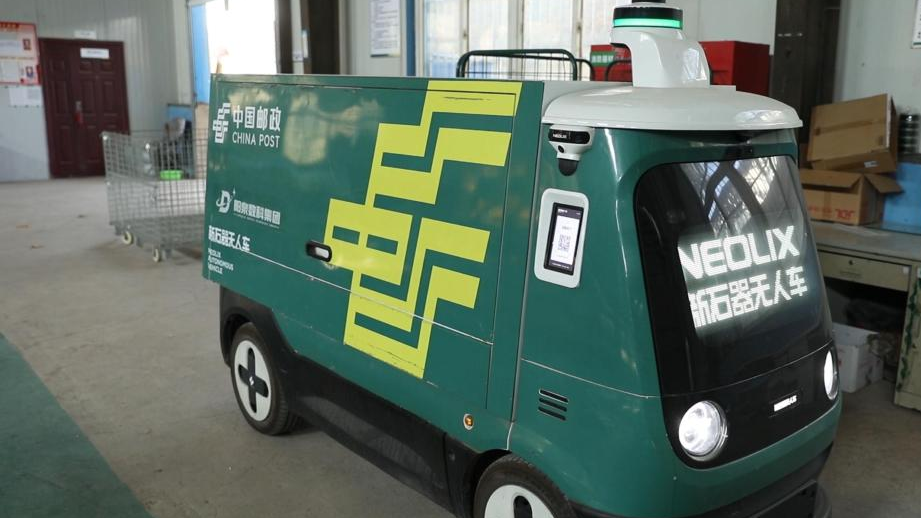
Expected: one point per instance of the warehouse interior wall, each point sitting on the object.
(747, 20)
(357, 40)
(182, 51)
(875, 54)
(151, 49)
(718, 20)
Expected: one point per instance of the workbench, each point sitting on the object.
(886, 259)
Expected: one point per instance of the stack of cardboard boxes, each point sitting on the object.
(852, 149)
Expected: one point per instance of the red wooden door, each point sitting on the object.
(85, 94)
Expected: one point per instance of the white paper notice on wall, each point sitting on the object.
(9, 70)
(90, 53)
(85, 35)
(385, 28)
(916, 32)
(25, 96)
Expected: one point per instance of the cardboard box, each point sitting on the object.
(905, 209)
(851, 198)
(857, 365)
(857, 136)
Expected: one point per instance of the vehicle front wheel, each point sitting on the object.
(256, 384)
(513, 488)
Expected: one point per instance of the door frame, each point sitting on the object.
(48, 102)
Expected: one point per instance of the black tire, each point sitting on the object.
(275, 418)
(514, 471)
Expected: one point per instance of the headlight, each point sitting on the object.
(703, 430)
(830, 375)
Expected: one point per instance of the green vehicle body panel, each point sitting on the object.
(328, 137)
(489, 358)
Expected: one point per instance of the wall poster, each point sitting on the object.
(386, 35)
(916, 33)
(18, 54)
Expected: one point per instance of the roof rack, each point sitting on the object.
(523, 64)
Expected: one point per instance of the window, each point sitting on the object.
(452, 27)
(241, 37)
(443, 42)
(489, 25)
(548, 24)
(231, 37)
(596, 23)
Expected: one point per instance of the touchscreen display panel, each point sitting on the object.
(565, 228)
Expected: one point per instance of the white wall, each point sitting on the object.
(147, 29)
(718, 20)
(23, 144)
(357, 38)
(875, 54)
(182, 52)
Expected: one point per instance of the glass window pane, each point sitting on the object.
(767, 281)
(596, 23)
(241, 36)
(442, 41)
(548, 24)
(488, 24)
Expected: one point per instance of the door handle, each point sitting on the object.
(78, 112)
(319, 251)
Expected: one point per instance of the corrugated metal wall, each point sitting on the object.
(147, 29)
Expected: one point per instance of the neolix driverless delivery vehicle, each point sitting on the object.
(527, 298)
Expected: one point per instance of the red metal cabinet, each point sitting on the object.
(745, 65)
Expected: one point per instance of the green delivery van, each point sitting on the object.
(527, 298)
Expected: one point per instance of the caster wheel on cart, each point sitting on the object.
(127, 238)
(512, 487)
(157, 255)
(256, 384)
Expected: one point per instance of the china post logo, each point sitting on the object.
(221, 124)
(223, 203)
(392, 337)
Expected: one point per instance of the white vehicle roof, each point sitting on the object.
(714, 108)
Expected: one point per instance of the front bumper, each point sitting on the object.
(798, 495)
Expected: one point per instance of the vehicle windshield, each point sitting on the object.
(732, 279)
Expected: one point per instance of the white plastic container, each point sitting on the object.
(857, 366)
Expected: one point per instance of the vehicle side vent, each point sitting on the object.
(552, 404)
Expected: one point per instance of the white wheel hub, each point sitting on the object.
(503, 501)
(251, 379)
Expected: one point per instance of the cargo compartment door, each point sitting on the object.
(416, 240)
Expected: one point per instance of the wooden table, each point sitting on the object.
(887, 259)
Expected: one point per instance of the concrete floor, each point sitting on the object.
(129, 348)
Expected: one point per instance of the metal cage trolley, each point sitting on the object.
(524, 64)
(156, 189)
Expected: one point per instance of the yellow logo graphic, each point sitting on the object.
(370, 221)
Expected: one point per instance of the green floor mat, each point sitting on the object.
(47, 466)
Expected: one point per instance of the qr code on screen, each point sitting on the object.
(564, 243)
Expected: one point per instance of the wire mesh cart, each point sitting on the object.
(156, 189)
(524, 64)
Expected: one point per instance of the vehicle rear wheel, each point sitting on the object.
(256, 385)
(513, 488)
